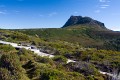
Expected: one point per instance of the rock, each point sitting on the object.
(76, 20)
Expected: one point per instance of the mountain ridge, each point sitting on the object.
(79, 20)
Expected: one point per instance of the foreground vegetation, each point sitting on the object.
(25, 65)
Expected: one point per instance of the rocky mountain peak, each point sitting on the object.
(76, 20)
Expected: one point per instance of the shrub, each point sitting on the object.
(60, 59)
(7, 48)
(5, 74)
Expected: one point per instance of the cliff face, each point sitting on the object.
(76, 20)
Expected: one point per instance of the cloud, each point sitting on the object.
(40, 15)
(103, 1)
(104, 6)
(52, 14)
(97, 11)
(75, 12)
(16, 11)
(3, 12)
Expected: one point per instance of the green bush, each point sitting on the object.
(60, 59)
(11, 62)
(5, 74)
(45, 60)
(7, 48)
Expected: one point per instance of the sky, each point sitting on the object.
(23, 14)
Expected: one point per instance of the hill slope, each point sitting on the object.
(83, 34)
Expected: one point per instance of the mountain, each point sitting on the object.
(79, 20)
(84, 43)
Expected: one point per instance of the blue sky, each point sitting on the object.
(15, 14)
